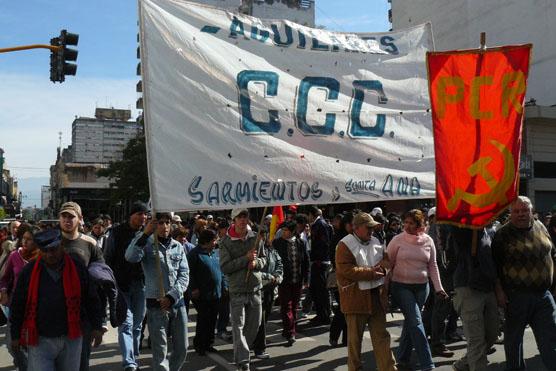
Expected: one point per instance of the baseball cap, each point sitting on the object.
(376, 210)
(432, 211)
(237, 212)
(176, 219)
(364, 219)
(71, 208)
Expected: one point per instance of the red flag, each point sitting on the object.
(477, 110)
(277, 219)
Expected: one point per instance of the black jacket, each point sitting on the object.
(321, 238)
(51, 310)
(281, 247)
(114, 254)
(102, 278)
(477, 272)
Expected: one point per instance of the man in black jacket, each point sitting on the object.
(474, 299)
(52, 306)
(130, 279)
(321, 237)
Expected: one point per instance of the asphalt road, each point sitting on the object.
(311, 352)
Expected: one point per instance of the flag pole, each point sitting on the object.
(257, 241)
(157, 262)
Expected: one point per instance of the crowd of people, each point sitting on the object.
(61, 287)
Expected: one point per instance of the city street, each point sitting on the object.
(310, 352)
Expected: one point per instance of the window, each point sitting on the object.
(543, 169)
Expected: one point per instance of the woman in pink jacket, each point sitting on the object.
(25, 251)
(412, 256)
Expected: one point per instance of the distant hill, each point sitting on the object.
(31, 190)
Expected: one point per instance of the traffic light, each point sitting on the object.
(59, 67)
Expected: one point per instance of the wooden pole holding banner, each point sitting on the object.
(158, 265)
(475, 235)
(257, 241)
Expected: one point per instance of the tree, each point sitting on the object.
(2, 213)
(129, 177)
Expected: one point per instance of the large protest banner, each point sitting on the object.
(251, 112)
(477, 101)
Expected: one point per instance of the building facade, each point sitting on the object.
(95, 143)
(102, 139)
(457, 24)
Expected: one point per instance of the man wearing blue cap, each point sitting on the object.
(51, 306)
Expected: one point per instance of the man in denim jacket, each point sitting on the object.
(166, 280)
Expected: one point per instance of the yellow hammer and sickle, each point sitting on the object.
(498, 188)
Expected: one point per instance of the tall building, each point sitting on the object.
(45, 196)
(95, 143)
(457, 24)
(10, 197)
(101, 139)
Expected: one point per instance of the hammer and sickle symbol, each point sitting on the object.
(498, 188)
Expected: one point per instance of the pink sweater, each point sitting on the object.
(414, 259)
(14, 265)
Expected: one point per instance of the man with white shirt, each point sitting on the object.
(360, 275)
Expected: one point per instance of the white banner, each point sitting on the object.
(252, 112)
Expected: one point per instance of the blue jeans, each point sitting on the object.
(539, 311)
(129, 332)
(161, 323)
(410, 298)
(55, 354)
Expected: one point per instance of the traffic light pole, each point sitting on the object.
(27, 47)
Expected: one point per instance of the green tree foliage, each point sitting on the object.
(129, 177)
(2, 213)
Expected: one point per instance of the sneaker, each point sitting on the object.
(499, 339)
(212, 349)
(243, 367)
(262, 355)
(440, 350)
(104, 329)
(224, 335)
(334, 343)
(291, 341)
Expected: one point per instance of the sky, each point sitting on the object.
(33, 110)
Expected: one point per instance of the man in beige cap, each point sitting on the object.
(360, 274)
(83, 249)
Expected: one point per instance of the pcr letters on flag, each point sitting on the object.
(477, 109)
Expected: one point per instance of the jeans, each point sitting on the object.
(479, 315)
(55, 354)
(246, 317)
(223, 313)
(319, 291)
(85, 347)
(207, 312)
(161, 322)
(289, 295)
(129, 332)
(259, 345)
(338, 325)
(410, 298)
(539, 311)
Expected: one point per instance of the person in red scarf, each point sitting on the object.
(50, 306)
